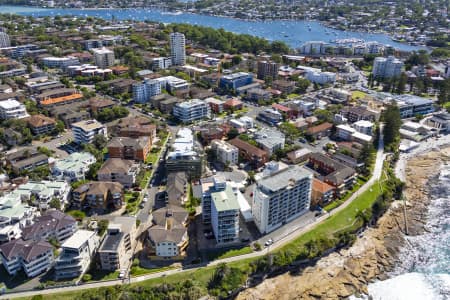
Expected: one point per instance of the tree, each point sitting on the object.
(59, 127)
(99, 141)
(102, 226)
(55, 203)
(232, 133)
(302, 85)
(392, 122)
(290, 130)
(401, 84)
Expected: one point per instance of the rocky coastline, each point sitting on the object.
(349, 271)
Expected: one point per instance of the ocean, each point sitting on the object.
(424, 269)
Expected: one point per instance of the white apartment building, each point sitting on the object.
(281, 197)
(76, 254)
(225, 152)
(31, 256)
(191, 110)
(313, 48)
(4, 40)
(12, 109)
(84, 131)
(225, 215)
(172, 83)
(43, 192)
(387, 67)
(161, 63)
(103, 57)
(73, 167)
(144, 90)
(363, 126)
(178, 49)
(60, 62)
(348, 133)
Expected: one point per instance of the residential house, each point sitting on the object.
(270, 116)
(233, 104)
(119, 170)
(216, 105)
(12, 109)
(168, 237)
(357, 113)
(288, 112)
(284, 86)
(212, 132)
(97, 105)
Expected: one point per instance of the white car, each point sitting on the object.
(268, 242)
(145, 199)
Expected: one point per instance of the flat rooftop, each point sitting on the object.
(78, 239)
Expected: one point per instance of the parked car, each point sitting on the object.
(268, 243)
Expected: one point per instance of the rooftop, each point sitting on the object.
(280, 180)
(225, 200)
(78, 239)
(88, 125)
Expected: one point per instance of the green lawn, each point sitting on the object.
(220, 254)
(152, 158)
(358, 95)
(131, 202)
(98, 275)
(339, 221)
(144, 182)
(138, 271)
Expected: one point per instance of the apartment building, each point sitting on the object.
(332, 172)
(103, 57)
(184, 156)
(136, 127)
(130, 148)
(4, 40)
(115, 250)
(12, 109)
(76, 254)
(225, 152)
(41, 193)
(84, 131)
(73, 167)
(321, 193)
(168, 237)
(161, 63)
(255, 156)
(387, 67)
(281, 197)
(14, 213)
(176, 188)
(236, 80)
(225, 215)
(26, 159)
(33, 257)
(178, 49)
(267, 70)
(98, 195)
(60, 62)
(143, 91)
(40, 124)
(270, 140)
(192, 110)
(119, 170)
(52, 224)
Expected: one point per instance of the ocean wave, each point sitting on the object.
(424, 269)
